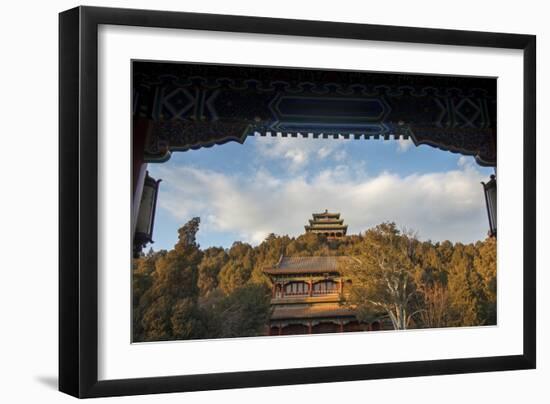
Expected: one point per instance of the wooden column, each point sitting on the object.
(310, 288)
(341, 326)
(141, 128)
(309, 327)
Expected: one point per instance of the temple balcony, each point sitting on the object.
(293, 299)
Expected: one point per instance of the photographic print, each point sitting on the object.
(271, 201)
(295, 186)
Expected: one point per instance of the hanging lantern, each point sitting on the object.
(490, 189)
(146, 216)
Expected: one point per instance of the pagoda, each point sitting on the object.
(307, 297)
(328, 224)
(309, 293)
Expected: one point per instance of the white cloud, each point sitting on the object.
(464, 162)
(404, 144)
(340, 155)
(439, 205)
(297, 153)
(323, 152)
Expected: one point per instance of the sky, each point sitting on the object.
(274, 184)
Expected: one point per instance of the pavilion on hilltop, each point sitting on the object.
(328, 224)
(308, 292)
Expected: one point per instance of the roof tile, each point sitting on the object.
(294, 265)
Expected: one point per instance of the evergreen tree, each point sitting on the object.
(485, 263)
(243, 313)
(174, 281)
(142, 279)
(214, 258)
(267, 254)
(465, 289)
(236, 272)
(307, 245)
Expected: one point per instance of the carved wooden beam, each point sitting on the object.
(190, 106)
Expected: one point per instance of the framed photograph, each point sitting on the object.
(251, 201)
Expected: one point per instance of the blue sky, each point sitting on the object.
(244, 192)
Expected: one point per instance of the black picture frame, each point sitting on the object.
(78, 201)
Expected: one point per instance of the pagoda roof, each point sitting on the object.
(313, 311)
(326, 213)
(308, 265)
(324, 221)
(328, 226)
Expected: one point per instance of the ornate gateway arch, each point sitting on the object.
(184, 106)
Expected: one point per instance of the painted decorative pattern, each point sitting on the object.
(202, 105)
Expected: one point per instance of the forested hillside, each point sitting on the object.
(190, 293)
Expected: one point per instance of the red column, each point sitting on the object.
(141, 128)
(139, 137)
(310, 289)
(341, 327)
(309, 327)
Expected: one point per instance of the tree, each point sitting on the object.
(383, 274)
(174, 282)
(435, 312)
(485, 264)
(268, 254)
(142, 280)
(243, 313)
(213, 260)
(431, 286)
(187, 321)
(236, 272)
(309, 244)
(466, 294)
(186, 293)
